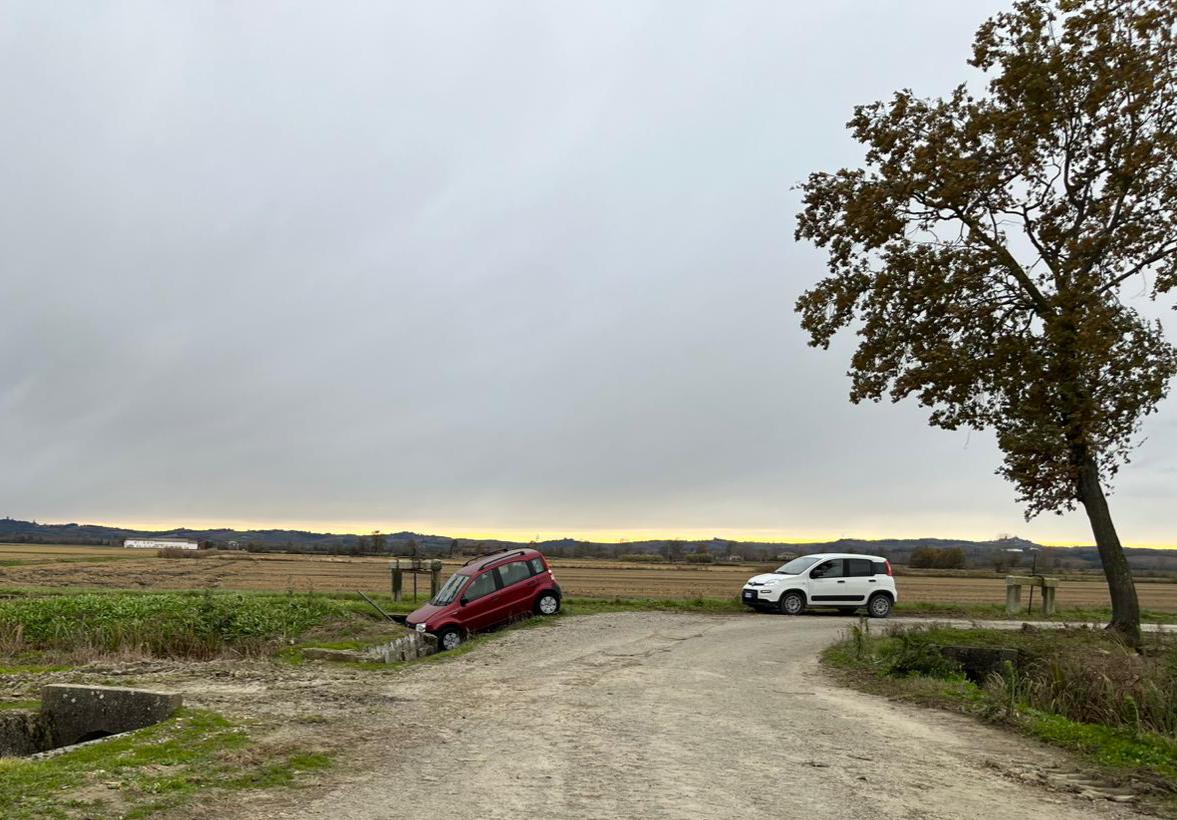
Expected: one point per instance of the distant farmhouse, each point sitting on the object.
(160, 543)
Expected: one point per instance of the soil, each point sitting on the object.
(66, 567)
(649, 715)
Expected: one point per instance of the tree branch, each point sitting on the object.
(1144, 263)
(1041, 306)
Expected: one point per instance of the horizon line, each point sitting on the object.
(595, 535)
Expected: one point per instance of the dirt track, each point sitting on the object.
(665, 716)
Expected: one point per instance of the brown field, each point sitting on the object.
(67, 566)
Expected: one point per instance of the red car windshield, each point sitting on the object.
(449, 590)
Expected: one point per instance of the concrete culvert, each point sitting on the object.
(73, 714)
(77, 713)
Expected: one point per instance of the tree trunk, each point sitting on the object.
(1125, 607)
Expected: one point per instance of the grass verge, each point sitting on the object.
(151, 770)
(996, 612)
(1079, 689)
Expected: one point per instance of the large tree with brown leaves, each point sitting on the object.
(981, 250)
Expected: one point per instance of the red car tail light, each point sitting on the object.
(889, 570)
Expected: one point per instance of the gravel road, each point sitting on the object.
(651, 715)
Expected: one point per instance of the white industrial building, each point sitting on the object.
(160, 543)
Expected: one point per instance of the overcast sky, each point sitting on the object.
(518, 268)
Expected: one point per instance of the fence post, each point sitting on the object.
(398, 580)
(434, 578)
(1013, 596)
(1048, 593)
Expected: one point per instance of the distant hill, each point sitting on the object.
(978, 553)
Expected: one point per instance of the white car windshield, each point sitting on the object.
(796, 566)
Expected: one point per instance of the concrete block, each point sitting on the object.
(321, 654)
(979, 662)
(23, 733)
(408, 647)
(76, 713)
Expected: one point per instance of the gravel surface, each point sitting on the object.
(650, 715)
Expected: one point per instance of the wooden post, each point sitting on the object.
(398, 581)
(434, 578)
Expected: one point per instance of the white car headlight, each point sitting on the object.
(420, 627)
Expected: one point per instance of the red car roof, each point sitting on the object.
(493, 559)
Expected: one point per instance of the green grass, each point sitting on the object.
(349, 601)
(30, 705)
(33, 668)
(594, 606)
(1079, 689)
(578, 605)
(157, 768)
(171, 624)
(996, 612)
(1111, 746)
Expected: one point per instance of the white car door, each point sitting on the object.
(860, 580)
(827, 584)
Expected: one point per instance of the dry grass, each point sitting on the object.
(578, 577)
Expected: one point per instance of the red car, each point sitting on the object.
(489, 590)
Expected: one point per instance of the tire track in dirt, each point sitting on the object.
(668, 716)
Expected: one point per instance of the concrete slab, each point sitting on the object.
(75, 713)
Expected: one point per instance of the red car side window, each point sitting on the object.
(514, 572)
(484, 584)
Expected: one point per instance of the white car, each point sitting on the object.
(829, 579)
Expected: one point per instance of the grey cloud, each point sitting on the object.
(520, 266)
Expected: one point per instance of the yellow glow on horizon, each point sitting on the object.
(545, 534)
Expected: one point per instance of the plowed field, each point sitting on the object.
(69, 566)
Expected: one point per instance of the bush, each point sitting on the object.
(699, 558)
(914, 653)
(936, 558)
(644, 557)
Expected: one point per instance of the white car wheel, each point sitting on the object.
(792, 603)
(879, 606)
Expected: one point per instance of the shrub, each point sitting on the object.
(699, 558)
(644, 557)
(936, 558)
(914, 653)
(1115, 687)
